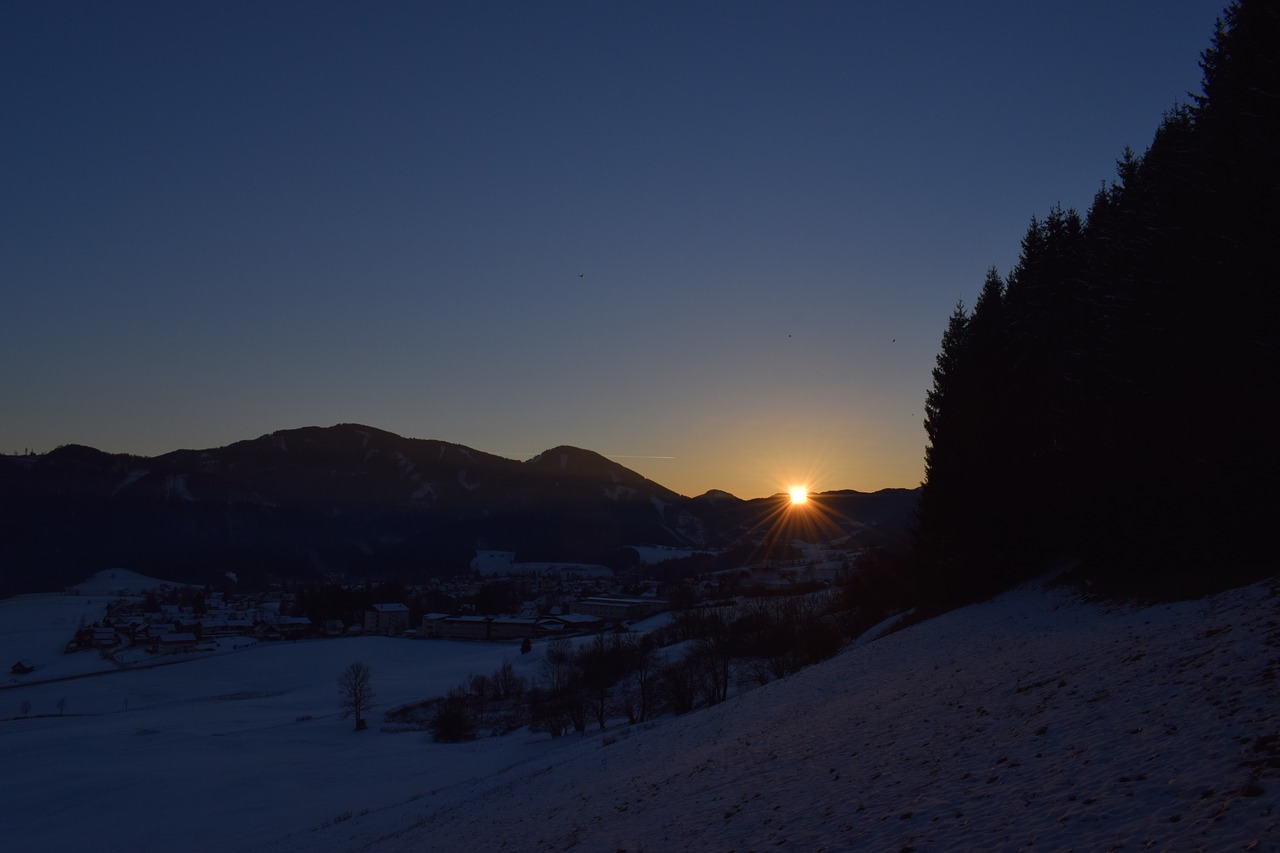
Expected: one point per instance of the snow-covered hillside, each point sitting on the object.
(1034, 721)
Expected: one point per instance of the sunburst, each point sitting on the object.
(795, 514)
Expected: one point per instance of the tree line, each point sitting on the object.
(694, 661)
(1108, 402)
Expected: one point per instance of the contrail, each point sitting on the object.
(626, 456)
(513, 454)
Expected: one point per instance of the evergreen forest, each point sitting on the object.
(1107, 403)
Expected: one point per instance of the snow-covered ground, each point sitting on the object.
(36, 628)
(1034, 721)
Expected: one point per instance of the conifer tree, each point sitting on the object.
(941, 525)
(1107, 399)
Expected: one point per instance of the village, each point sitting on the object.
(161, 625)
(544, 601)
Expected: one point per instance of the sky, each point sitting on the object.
(718, 242)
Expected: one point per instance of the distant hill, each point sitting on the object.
(356, 502)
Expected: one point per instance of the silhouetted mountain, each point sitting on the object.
(347, 501)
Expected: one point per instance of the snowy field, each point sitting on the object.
(1032, 722)
(219, 751)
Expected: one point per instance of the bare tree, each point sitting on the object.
(355, 693)
(714, 651)
(481, 689)
(506, 682)
(644, 675)
(557, 669)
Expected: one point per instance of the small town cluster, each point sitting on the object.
(162, 624)
(171, 619)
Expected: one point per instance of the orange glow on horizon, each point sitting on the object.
(794, 515)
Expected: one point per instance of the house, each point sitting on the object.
(443, 626)
(293, 627)
(433, 625)
(268, 632)
(579, 622)
(151, 634)
(126, 630)
(104, 637)
(458, 627)
(386, 619)
(22, 667)
(617, 608)
(175, 642)
(226, 627)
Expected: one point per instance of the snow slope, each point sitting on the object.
(1034, 721)
(1031, 722)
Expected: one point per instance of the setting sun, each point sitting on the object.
(799, 495)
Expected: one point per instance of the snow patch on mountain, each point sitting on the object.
(618, 493)
(129, 479)
(493, 562)
(403, 462)
(176, 487)
(650, 554)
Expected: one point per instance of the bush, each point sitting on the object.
(452, 723)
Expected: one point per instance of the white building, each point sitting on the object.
(386, 619)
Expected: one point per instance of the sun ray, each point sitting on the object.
(790, 516)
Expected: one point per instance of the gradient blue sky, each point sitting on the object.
(725, 233)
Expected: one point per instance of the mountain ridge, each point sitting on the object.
(348, 501)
